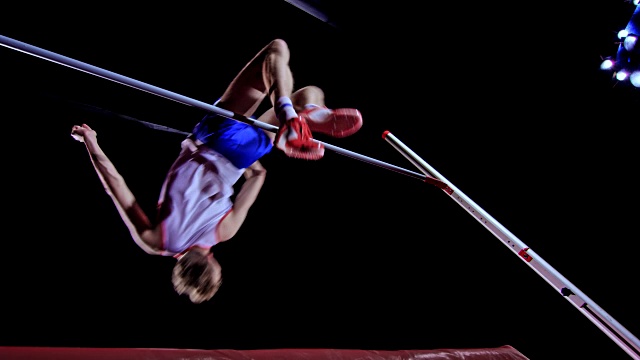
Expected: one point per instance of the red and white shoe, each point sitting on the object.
(295, 140)
(337, 123)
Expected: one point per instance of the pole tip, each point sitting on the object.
(385, 133)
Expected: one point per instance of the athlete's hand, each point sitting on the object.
(81, 132)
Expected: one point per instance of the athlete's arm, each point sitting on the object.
(132, 214)
(254, 177)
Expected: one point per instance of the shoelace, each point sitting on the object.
(304, 133)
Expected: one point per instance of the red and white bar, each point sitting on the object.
(614, 330)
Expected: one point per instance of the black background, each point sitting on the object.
(507, 102)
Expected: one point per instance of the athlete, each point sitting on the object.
(195, 209)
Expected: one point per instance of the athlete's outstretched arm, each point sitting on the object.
(135, 219)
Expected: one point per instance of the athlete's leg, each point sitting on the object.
(268, 74)
(269, 69)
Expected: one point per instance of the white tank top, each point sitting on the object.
(195, 197)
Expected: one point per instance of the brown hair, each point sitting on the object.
(196, 275)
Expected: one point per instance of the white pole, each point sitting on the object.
(621, 336)
(93, 70)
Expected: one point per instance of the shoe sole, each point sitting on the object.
(343, 123)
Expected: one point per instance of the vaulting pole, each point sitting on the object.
(93, 70)
(621, 336)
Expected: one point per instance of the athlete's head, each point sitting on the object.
(198, 275)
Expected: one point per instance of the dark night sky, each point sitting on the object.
(508, 104)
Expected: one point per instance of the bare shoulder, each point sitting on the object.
(150, 240)
(229, 226)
